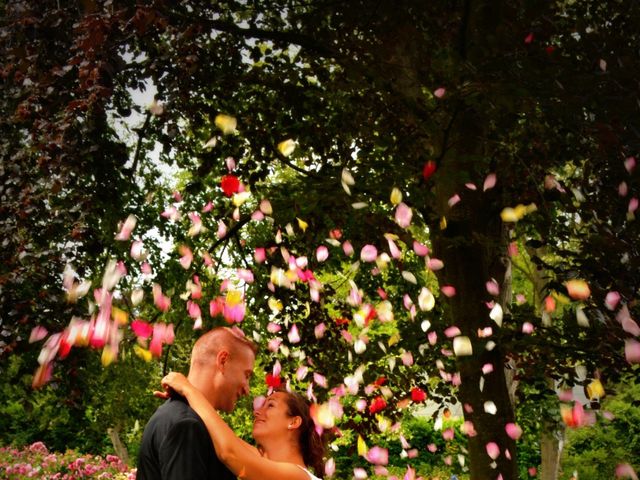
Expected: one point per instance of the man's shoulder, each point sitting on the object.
(174, 410)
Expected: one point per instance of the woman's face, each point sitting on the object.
(272, 419)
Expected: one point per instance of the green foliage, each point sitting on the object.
(595, 451)
(78, 413)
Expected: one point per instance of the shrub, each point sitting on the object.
(36, 461)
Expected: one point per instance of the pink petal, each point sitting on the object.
(626, 470)
(37, 334)
(347, 248)
(330, 467)
(493, 450)
(513, 430)
(611, 300)
(260, 254)
(633, 205)
(439, 92)
(141, 328)
(630, 164)
(369, 253)
(632, 350)
(403, 215)
(493, 288)
(319, 330)
(452, 332)
(448, 290)
(294, 335)
(322, 253)
(489, 182)
(623, 189)
(453, 200)
(471, 186)
(435, 264)
(420, 249)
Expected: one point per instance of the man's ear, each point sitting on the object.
(222, 358)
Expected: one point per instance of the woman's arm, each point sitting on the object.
(242, 459)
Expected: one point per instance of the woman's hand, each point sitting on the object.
(178, 382)
(173, 381)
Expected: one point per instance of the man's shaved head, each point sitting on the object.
(212, 342)
(221, 366)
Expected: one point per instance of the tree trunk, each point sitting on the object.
(551, 450)
(119, 448)
(471, 257)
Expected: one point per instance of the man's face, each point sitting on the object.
(233, 379)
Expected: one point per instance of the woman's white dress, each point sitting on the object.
(311, 475)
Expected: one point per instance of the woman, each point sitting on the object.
(282, 427)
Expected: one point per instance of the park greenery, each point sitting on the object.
(404, 203)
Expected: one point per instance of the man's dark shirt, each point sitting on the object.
(176, 446)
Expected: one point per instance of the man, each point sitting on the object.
(175, 443)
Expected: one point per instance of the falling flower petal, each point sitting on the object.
(403, 215)
(294, 335)
(37, 334)
(429, 169)
(330, 467)
(448, 290)
(578, 289)
(439, 92)
(435, 264)
(624, 470)
(420, 249)
(226, 123)
(126, 228)
(493, 450)
(493, 288)
(287, 147)
(453, 200)
(490, 407)
(462, 346)
(632, 350)
(496, 314)
(396, 196)
(369, 253)
(513, 430)
(611, 300)
(489, 182)
(426, 300)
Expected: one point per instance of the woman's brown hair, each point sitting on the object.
(311, 444)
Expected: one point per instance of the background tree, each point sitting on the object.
(470, 109)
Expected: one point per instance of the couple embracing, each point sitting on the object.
(186, 438)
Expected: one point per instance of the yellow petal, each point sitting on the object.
(119, 316)
(443, 223)
(302, 224)
(362, 446)
(226, 123)
(275, 305)
(108, 356)
(393, 339)
(287, 147)
(509, 215)
(240, 198)
(396, 196)
(595, 390)
(143, 353)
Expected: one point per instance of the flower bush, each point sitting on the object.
(35, 461)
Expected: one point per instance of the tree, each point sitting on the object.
(482, 114)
